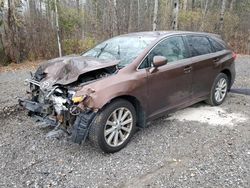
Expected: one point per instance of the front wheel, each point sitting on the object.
(113, 126)
(219, 90)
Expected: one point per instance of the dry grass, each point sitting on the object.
(28, 65)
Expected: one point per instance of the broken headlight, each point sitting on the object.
(78, 99)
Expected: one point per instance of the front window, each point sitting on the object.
(123, 48)
(172, 48)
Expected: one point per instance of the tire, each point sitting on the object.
(219, 90)
(105, 122)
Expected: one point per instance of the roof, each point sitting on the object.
(160, 34)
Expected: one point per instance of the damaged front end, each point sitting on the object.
(54, 103)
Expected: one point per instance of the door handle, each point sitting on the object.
(187, 69)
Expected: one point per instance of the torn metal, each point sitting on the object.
(51, 95)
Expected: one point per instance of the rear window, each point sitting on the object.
(199, 45)
(216, 45)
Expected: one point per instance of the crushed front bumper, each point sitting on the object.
(41, 112)
(35, 106)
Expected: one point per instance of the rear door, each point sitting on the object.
(170, 85)
(205, 64)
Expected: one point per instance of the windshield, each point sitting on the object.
(125, 49)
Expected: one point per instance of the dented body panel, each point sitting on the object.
(122, 84)
(67, 70)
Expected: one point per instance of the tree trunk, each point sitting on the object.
(127, 16)
(11, 37)
(78, 6)
(155, 19)
(222, 12)
(204, 13)
(193, 4)
(138, 15)
(116, 17)
(58, 31)
(248, 43)
(175, 15)
(132, 17)
(232, 5)
(185, 2)
(147, 15)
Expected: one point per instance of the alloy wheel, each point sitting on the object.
(118, 127)
(220, 90)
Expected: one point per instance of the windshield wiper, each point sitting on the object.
(119, 51)
(102, 49)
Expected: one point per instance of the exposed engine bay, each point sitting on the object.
(55, 103)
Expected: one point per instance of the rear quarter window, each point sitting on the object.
(199, 45)
(216, 45)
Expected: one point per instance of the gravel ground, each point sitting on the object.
(174, 151)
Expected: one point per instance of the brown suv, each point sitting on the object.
(120, 84)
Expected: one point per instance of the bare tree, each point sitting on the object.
(11, 36)
(232, 5)
(155, 19)
(34, 29)
(138, 14)
(204, 13)
(78, 6)
(185, 2)
(175, 15)
(58, 30)
(248, 42)
(222, 12)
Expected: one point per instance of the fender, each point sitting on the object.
(103, 91)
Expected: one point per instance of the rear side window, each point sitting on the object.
(216, 45)
(199, 45)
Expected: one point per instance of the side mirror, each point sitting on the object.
(159, 61)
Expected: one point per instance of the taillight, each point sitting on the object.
(234, 55)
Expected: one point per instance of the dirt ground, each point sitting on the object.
(200, 146)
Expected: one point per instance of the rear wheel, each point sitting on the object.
(113, 126)
(219, 90)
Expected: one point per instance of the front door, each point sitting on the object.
(170, 85)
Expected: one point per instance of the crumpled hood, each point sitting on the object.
(67, 69)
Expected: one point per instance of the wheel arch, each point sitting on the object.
(140, 112)
(228, 73)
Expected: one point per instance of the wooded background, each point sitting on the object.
(43, 29)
